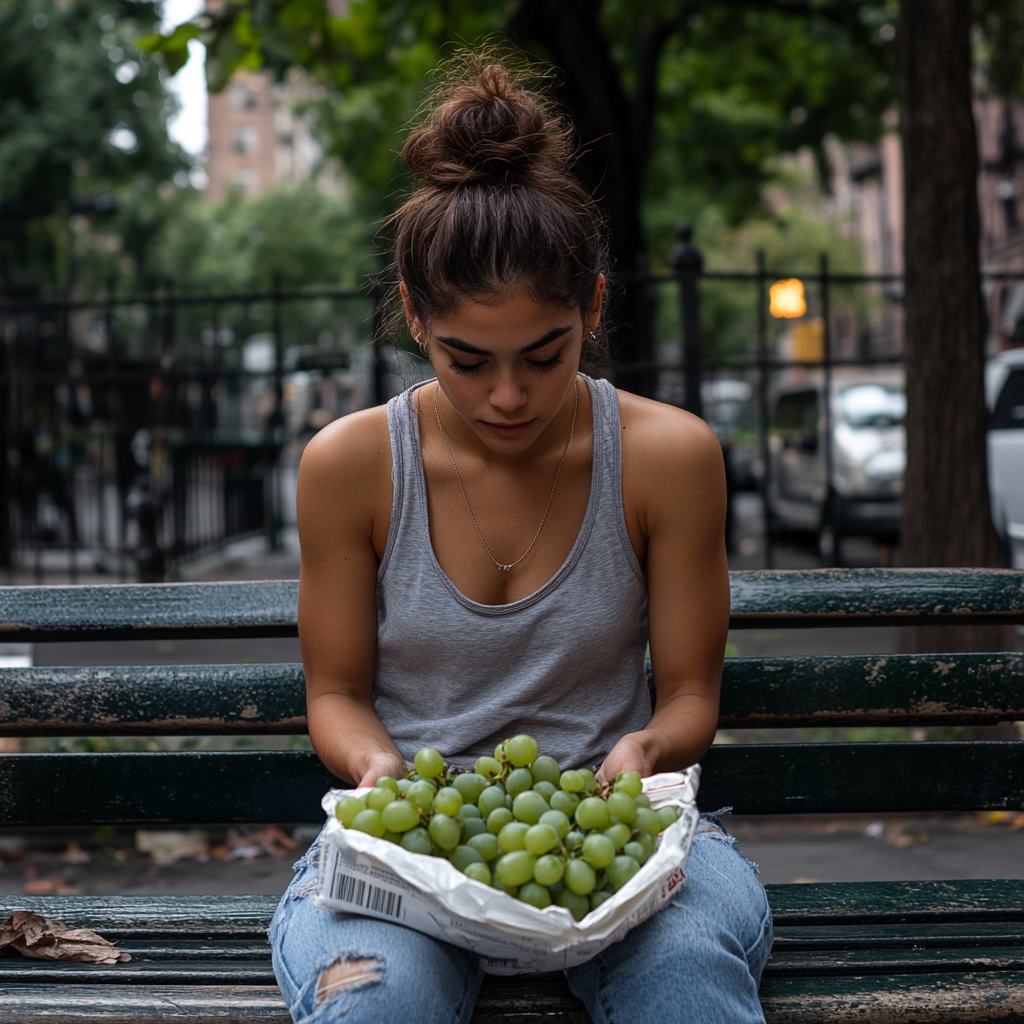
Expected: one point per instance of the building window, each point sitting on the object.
(247, 139)
(242, 97)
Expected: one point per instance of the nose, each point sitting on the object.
(508, 394)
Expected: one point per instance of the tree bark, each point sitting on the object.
(946, 515)
(589, 86)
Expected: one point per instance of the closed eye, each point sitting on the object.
(547, 364)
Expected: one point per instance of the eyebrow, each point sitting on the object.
(464, 346)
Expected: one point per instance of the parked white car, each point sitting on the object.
(1004, 392)
(866, 447)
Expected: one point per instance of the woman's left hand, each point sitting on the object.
(628, 755)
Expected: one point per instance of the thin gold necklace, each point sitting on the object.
(572, 429)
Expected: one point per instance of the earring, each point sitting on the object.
(593, 336)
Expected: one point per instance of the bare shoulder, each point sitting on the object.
(346, 467)
(660, 439)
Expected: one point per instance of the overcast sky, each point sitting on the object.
(189, 84)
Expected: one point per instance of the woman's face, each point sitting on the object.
(506, 363)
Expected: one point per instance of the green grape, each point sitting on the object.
(565, 802)
(590, 783)
(519, 781)
(369, 821)
(513, 837)
(508, 802)
(536, 895)
(621, 806)
(521, 750)
(498, 819)
(416, 840)
(621, 870)
(636, 851)
(392, 837)
(580, 877)
(548, 870)
(422, 795)
(463, 856)
(545, 769)
(557, 820)
(488, 768)
(593, 813)
(448, 801)
(529, 806)
(539, 839)
(619, 834)
(404, 785)
(470, 785)
(444, 831)
(429, 763)
(515, 868)
(498, 884)
(597, 898)
(643, 800)
(574, 840)
(400, 816)
(347, 808)
(647, 821)
(667, 816)
(389, 783)
(598, 850)
(377, 799)
(499, 752)
(491, 798)
(578, 906)
(485, 844)
(571, 781)
(467, 811)
(648, 844)
(478, 872)
(628, 783)
(473, 827)
(546, 789)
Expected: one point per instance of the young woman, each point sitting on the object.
(491, 553)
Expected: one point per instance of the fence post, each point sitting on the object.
(826, 352)
(688, 264)
(762, 402)
(380, 366)
(275, 426)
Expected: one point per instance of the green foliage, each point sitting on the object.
(1000, 45)
(82, 111)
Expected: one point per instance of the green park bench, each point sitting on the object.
(866, 952)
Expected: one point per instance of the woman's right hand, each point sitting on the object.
(381, 763)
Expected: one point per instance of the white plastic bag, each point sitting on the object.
(374, 878)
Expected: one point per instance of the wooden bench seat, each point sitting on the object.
(870, 952)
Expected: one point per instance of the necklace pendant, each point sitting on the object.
(504, 568)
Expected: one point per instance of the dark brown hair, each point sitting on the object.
(498, 206)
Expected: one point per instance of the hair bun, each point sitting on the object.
(488, 130)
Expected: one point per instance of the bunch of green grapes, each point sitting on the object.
(518, 823)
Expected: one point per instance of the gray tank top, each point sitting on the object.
(565, 664)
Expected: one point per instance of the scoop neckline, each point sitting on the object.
(574, 552)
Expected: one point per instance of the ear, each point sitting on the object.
(593, 318)
(411, 316)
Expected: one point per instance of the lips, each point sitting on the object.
(508, 429)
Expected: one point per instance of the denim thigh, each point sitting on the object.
(393, 973)
(700, 958)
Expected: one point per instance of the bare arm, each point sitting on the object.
(673, 466)
(344, 482)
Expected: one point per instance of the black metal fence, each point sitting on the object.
(139, 432)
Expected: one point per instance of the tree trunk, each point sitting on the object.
(589, 86)
(946, 515)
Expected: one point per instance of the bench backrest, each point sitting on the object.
(286, 786)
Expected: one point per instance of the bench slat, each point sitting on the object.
(137, 972)
(282, 786)
(951, 935)
(132, 1004)
(207, 700)
(760, 599)
(894, 961)
(846, 903)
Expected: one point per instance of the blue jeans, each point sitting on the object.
(699, 959)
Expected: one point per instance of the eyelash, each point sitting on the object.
(548, 364)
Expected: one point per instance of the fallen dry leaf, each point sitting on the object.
(41, 938)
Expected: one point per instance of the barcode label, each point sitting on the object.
(359, 893)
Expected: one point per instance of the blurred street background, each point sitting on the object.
(193, 282)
